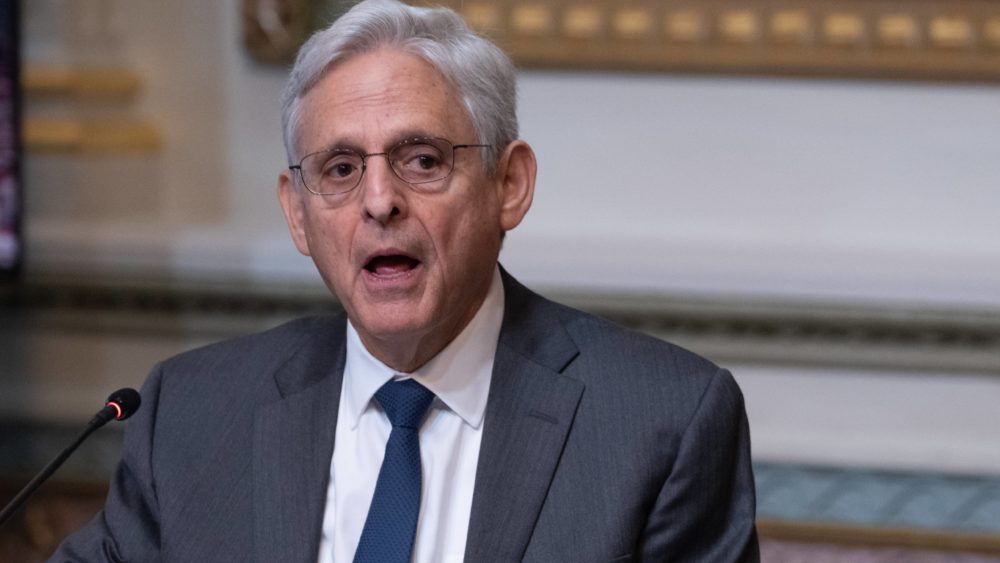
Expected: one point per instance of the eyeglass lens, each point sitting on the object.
(417, 161)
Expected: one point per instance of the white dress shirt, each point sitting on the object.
(450, 436)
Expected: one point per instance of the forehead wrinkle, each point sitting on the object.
(383, 124)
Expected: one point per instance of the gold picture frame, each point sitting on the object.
(906, 39)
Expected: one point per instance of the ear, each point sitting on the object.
(515, 177)
(293, 205)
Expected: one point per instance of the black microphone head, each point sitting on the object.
(126, 401)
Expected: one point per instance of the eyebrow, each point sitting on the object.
(405, 135)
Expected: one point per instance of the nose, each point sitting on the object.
(383, 196)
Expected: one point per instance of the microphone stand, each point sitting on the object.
(100, 419)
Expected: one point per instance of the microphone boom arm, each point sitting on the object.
(121, 405)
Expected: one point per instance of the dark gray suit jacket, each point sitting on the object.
(599, 444)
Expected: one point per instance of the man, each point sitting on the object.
(532, 432)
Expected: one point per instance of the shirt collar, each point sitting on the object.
(459, 376)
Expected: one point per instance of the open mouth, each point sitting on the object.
(391, 265)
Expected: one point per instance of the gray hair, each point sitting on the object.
(480, 72)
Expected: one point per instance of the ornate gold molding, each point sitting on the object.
(108, 84)
(82, 134)
(85, 134)
(921, 39)
(58, 135)
(952, 39)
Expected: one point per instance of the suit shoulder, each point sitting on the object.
(239, 362)
(557, 333)
(597, 336)
(245, 348)
(626, 369)
(227, 379)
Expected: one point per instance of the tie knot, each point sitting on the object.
(405, 402)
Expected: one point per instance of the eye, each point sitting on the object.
(340, 170)
(427, 161)
(340, 166)
(420, 161)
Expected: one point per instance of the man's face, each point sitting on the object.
(410, 268)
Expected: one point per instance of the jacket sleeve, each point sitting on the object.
(706, 508)
(127, 528)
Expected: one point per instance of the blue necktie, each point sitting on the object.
(392, 518)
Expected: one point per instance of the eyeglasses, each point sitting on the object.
(421, 162)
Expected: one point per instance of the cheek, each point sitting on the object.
(473, 234)
(328, 242)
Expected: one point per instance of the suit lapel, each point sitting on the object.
(528, 417)
(293, 445)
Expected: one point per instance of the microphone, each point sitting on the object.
(120, 405)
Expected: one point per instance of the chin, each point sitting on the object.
(390, 323)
